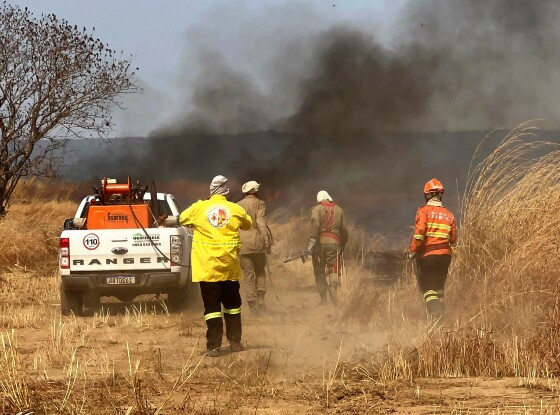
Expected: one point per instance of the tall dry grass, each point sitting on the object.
(32, 225)
(507, 263)
(13, 379)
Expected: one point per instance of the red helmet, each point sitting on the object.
(433, 186)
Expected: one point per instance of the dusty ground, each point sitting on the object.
(299, 359)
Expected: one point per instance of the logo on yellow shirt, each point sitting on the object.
(218, 216)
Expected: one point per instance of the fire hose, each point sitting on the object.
(270, 278)
(317, 265)
(150, 238)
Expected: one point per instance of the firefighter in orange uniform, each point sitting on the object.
(434, 233)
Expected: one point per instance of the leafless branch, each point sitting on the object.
(57, 82)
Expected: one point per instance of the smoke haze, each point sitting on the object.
(347, 111)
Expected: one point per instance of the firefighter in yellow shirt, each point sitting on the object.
(215, 262)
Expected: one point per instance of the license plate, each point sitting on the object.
(121, 280)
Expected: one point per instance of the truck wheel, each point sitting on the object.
(92, 300)
(71, 302)
(194, 298)
(177, 299)
(186, 298)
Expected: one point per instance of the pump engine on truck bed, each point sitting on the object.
(120, 206)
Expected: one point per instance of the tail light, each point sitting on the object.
(176, 250)
(64, 253)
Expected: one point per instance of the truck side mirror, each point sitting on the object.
(68, 224)
(74, 223)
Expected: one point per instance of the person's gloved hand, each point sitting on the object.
(412, 255)
(311, 245)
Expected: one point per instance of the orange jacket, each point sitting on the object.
(434, 232)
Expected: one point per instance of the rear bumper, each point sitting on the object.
(150, 282)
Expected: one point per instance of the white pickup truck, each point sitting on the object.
(125, 263)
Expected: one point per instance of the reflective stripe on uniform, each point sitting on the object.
(419, 237)
(431, 295)
(209, 243)
(438, 225)
(212, 315)
(232, 310)
(443, 235)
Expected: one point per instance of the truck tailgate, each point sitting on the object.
(119, 249)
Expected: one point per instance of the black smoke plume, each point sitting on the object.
(368, 121)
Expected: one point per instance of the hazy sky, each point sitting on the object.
(163, 35)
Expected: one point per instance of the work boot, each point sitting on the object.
(435, 311)
(236, 347)
(213, 352)
(260, 301)
(323, 299)
(253, 309)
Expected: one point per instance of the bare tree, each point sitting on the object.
(57, 82)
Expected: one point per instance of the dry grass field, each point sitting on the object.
(497, 352)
